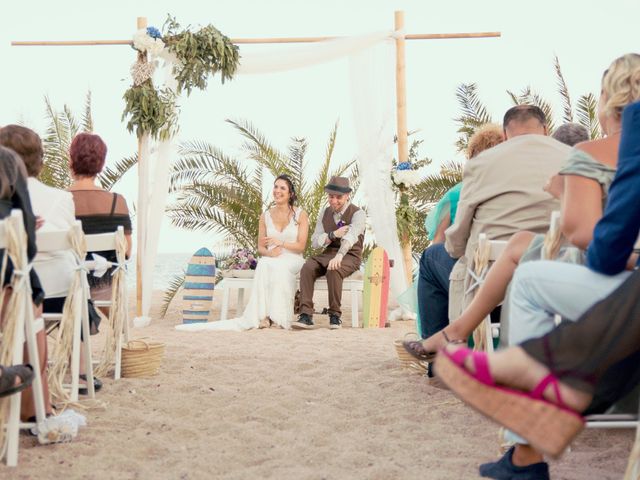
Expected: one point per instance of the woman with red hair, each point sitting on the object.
(99, 210)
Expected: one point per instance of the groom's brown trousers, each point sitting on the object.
(315, 267)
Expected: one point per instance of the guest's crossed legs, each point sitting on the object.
(541, 289)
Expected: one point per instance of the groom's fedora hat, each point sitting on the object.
(339, 185)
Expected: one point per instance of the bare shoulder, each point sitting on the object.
(604, 150)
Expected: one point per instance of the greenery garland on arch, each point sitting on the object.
(195, 56)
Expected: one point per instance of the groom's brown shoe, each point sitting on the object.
(305, 322)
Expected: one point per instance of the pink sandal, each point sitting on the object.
(548, 426)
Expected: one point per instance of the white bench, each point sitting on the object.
(353, 284)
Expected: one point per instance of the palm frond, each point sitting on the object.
(474, 113)
(563, 90)
(175, 285)
(259, 149)
(433, 187)
(56, 141)
(112, 175)
(587, 113)
(529, 97)
(201, 161)
(87, 116)
(297, 153)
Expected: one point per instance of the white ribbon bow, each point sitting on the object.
(478, 280)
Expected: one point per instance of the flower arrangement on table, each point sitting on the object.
(240, 263)
(194, 55)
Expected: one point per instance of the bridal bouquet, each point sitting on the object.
(242, 259)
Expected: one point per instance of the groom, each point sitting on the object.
(340, 230)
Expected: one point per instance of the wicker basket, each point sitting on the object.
(141, 358)
(406, 359)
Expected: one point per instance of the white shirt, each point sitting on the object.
(57, 210)
(320, 238)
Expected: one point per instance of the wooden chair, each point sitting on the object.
(118, 304)
(73, 323)
(19, 327)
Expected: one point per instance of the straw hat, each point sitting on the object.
(338, 185)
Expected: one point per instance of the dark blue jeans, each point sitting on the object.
(433, 289)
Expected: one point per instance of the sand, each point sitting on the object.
(278, 404)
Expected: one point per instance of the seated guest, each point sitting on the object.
(99, 210)
(502, 194)
(581, 352)
(56, 210)
(583, 187)
(444, 213)
(52, 206)
(439, 219)
(571, 134)
(14, 195)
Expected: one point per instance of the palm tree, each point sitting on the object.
(63, 127)
(219, 193)
(475, 113)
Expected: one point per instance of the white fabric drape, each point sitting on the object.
(371, 71)
(150, 216)
(372, 89)
(287, 57)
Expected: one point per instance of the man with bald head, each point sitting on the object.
(502, 194)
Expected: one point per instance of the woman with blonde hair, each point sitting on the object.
(582, 187)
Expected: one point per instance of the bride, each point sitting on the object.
(282, 238)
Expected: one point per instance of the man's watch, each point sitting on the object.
(332, 236)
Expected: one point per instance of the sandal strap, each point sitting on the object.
(480, 364)
(550, 379)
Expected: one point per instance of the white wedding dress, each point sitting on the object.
(273, 289)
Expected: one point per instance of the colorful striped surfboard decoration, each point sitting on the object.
(376, 289)
(197, 294)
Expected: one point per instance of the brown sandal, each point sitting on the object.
(417, 351)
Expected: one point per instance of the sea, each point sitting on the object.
(168, 265)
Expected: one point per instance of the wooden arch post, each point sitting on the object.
(141, 210)
(402, 133)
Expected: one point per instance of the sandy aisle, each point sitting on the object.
(289, 405)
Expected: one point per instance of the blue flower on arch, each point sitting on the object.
(153, 32)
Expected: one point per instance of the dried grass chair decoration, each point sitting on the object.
(74, 319)
(118, 321)
(481, 338)
(19, 325)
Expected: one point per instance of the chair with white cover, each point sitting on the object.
(487, 251)
(73, 331)
(19, 326)
(118, 321)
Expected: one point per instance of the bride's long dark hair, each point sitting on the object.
(293, 197)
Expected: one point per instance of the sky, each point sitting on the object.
(306, 103)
